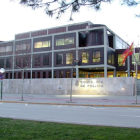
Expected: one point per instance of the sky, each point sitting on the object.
(15, 18)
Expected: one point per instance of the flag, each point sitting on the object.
(126, 53)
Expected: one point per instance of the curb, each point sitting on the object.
(72, 104)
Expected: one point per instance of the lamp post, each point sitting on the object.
(2, 70)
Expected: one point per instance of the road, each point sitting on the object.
(108, 116)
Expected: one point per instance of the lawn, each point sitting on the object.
(11, 129)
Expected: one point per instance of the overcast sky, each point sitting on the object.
(15, 19)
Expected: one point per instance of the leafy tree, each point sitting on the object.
(59, 7)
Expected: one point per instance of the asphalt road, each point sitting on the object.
(108, 116)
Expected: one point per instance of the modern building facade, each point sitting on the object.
(85, 50)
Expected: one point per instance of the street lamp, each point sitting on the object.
(2, 70)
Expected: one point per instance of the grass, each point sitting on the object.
(11, 129)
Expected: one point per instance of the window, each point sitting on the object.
(1, 63)
(69, 58)
(113, 59)
(54, 74)
(21, 47)
(137, 58)
(28, 75)
(96, 56)
(6, 49)
(33, 74)
(38, 74)
(26, 61)
(37, 60)
(60, 74)
(45, 60)
(18, 62)
(50, 74)
(59, 59)
(42, 44)
(2, 49)
(120, 60)
(85, 57)
(109, 58)
(8, 63)
(67, 74)
(44, 74)
(65, 41)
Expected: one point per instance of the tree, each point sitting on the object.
(22, 60)
(59, 7)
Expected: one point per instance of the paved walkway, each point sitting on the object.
(82, 100)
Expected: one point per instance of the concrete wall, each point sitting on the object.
(62, 86)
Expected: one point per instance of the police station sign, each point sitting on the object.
(90, 83)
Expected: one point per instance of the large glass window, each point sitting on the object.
(42, 44)
(64, 41)
(85, 57)
(69, 58)
(96, 56)
(45, 60)
(21, 47)
(59, 59)
(1, 63)
(120, 59)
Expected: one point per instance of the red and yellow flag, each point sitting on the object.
(127, 52)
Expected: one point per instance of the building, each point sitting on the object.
(85, 49)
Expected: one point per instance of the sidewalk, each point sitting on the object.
(81, 100)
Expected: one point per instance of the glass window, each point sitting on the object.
(2, 49)
(136, 58)
(18, 63)
(60, 74)
(42, 44)
(120, 60)
(65, 41)
(85, 57)
(96, 56)
(33, 74)
(8, 48)
(46, 44)
(26, 61)
(59, 59)
(8, 63)
(37, 60)
(113, 59)
(60, 42)
(23, 47)
(1, 63)
(69, 40)
(67, 74)
(44, 74)
(69, 58)
(109, 58)
(45, 60)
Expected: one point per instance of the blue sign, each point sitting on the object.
(1, 76)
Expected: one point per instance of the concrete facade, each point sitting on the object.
(80, 86)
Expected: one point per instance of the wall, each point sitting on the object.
(62, 86)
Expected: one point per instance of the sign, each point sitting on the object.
(1, 76)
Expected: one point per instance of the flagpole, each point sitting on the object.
(136, 64)
(136, 82)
